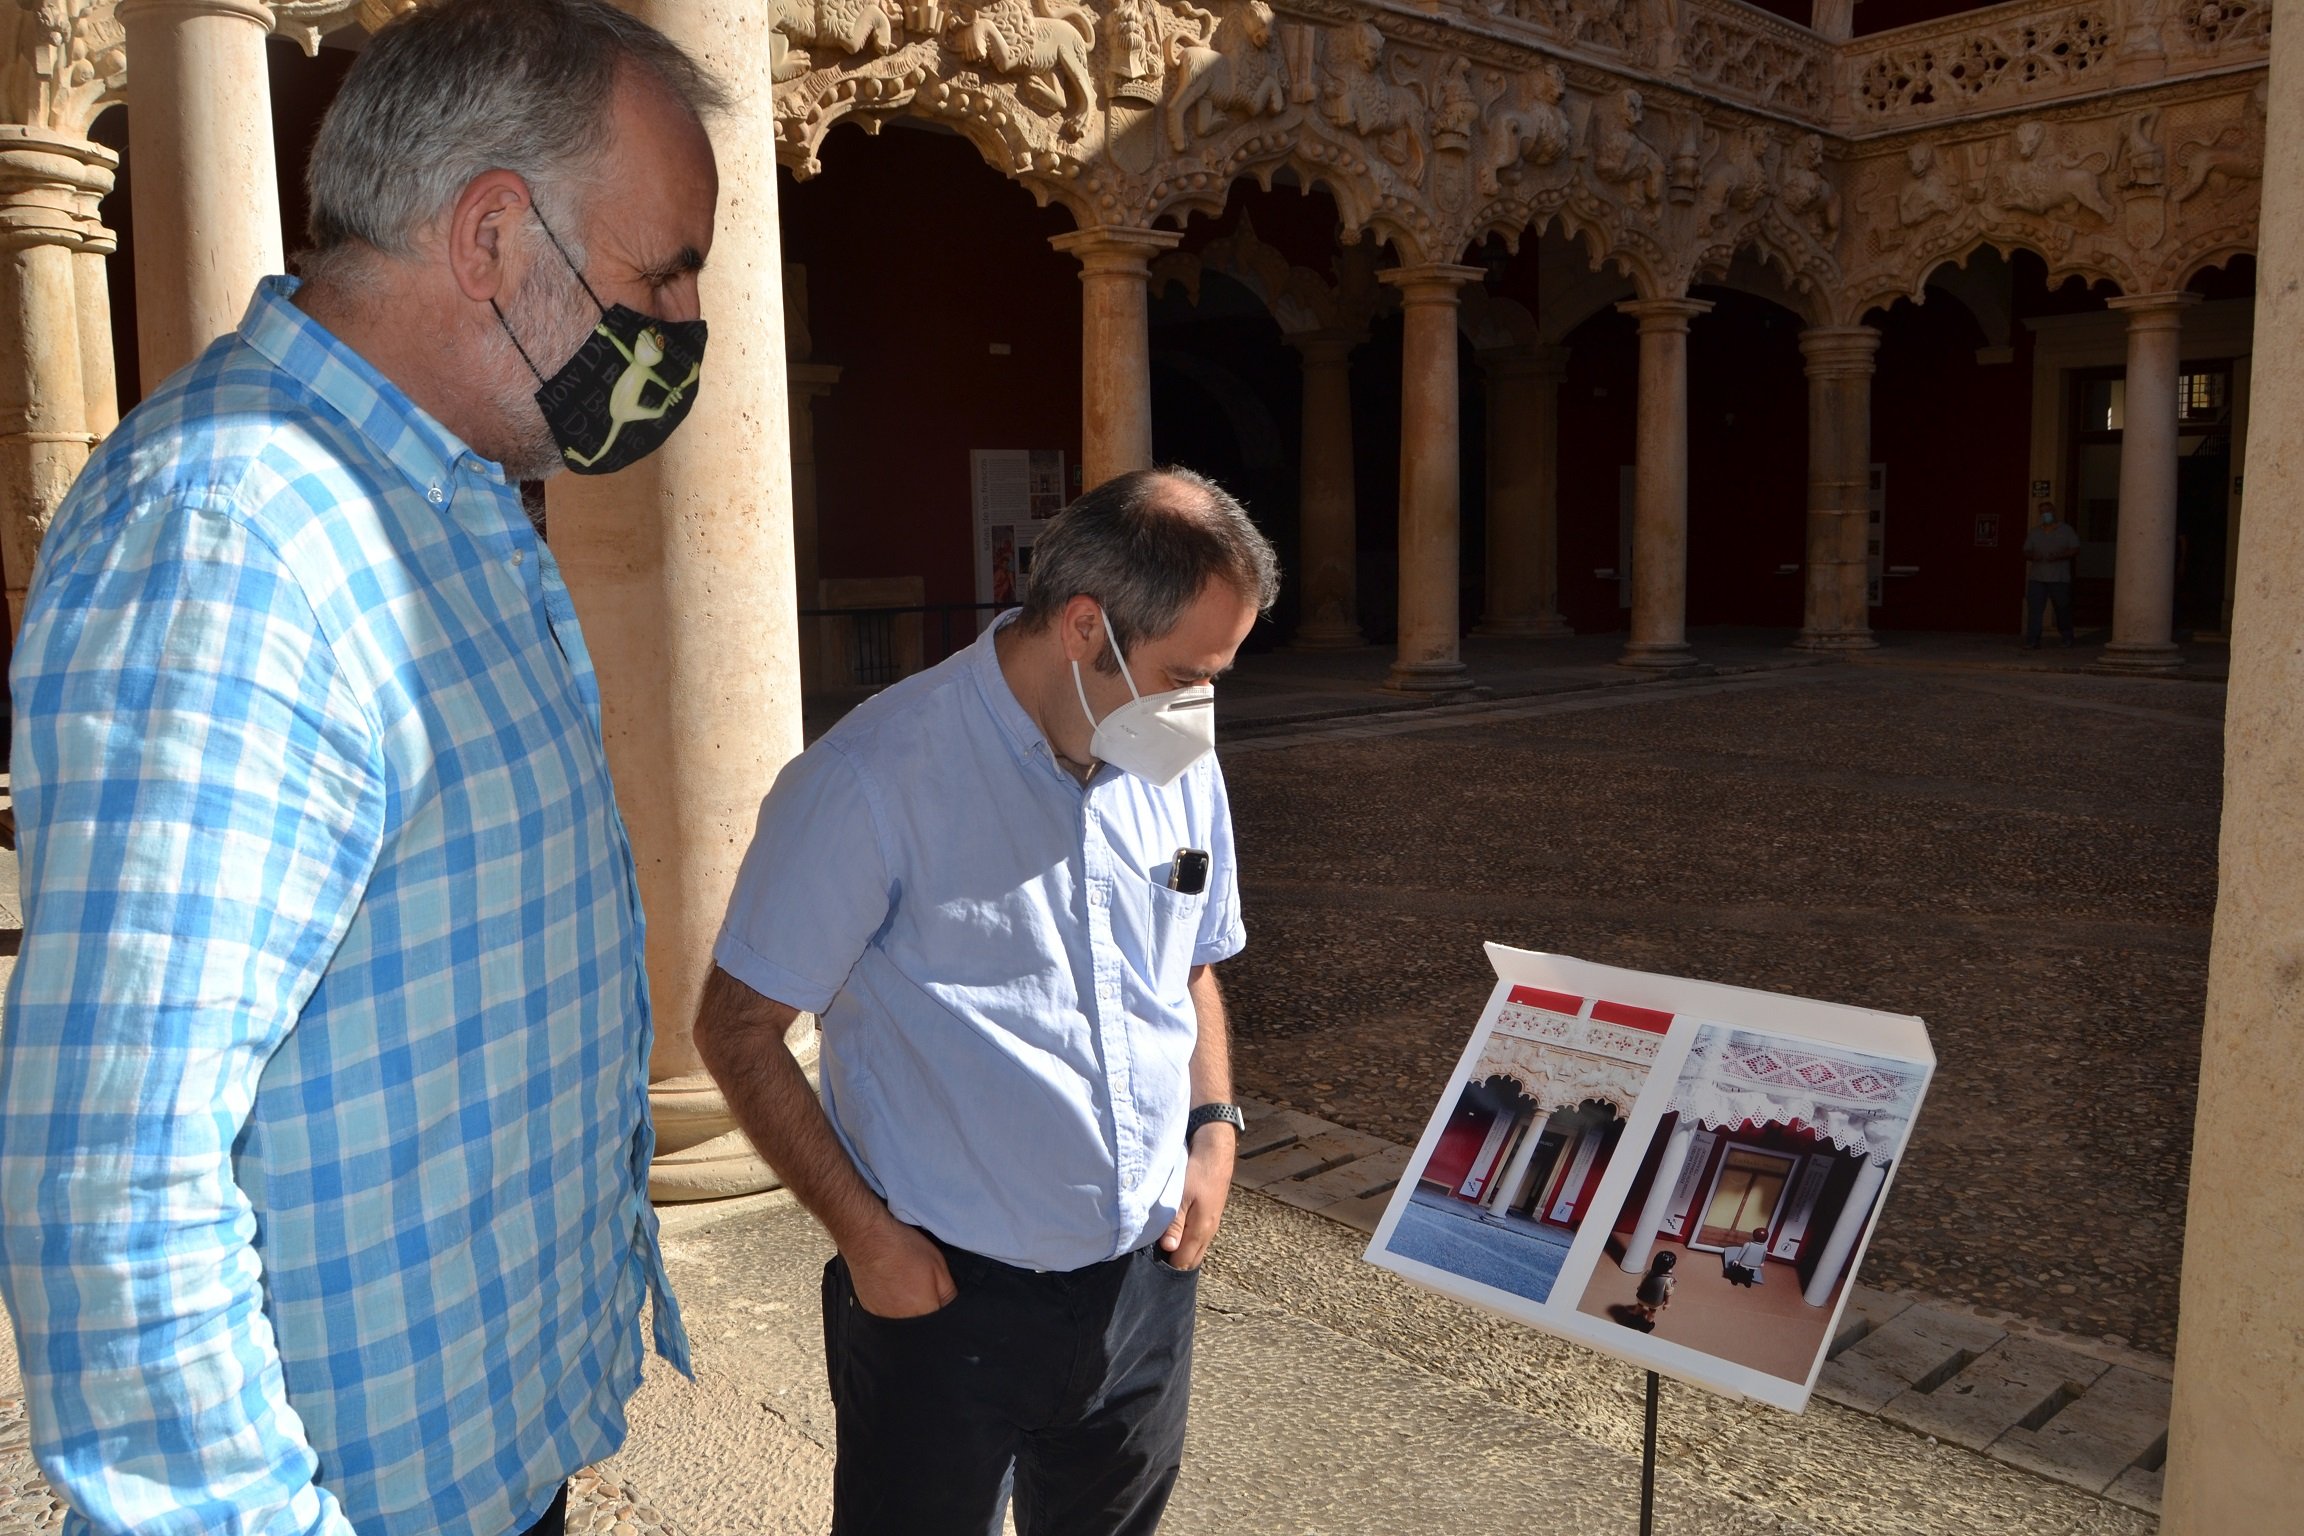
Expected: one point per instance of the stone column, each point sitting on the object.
(1500, 1198)
(1660, 486)
(207, 200)
(2144, 573)
(1430, 654)
(2235, 1437)
(1839, 616)
(1523, 596)
(682, 572)
(1327, 505)
(49, 186)
(1658, 1205)
(1845, 1231)
(1115, 349)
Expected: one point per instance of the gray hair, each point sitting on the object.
(1144, 545)
(453, 90)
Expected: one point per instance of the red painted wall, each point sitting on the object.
(920, 259)
(1459, 1144)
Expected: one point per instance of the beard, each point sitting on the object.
(549, 315)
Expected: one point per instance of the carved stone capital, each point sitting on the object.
(133, 13)
(1106, 250)
(1664, 316)
(2153, 311)
(1325, 348)
(50, 185)
(1840, 351)
(1432, 282)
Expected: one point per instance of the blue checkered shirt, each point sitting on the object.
(323, 1083)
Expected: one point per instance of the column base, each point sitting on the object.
(1836, 640)
(1658, 656)
(700, 1154)
(718, 1169)
(2142, 656)
(1425, 679)
(1327, 637)
(1550, 627)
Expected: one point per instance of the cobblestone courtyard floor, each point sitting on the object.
(2025, 860)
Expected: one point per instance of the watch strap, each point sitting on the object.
(1210, 1114)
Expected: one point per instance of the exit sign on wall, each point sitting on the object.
(1988, 531)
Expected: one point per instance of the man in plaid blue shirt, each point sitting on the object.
(323, 1104)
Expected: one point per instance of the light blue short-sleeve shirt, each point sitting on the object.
(999, 966)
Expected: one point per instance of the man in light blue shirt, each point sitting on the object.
(323, 1087)
(1002, 885)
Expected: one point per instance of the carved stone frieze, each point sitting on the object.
(1962, 64)
(2139, 191)
(66, 61)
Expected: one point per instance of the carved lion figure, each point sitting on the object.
(1619, 154)
(1238, 70)
(2047, 184)
(1046, 41)
(1359, 99)
(1738, 179)
(2236, 154)
(1538, 133)
(1807, 190)
(847, 27)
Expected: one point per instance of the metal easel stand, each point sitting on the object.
(1648, 1461)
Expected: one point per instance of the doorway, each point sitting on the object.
(1745, 1194)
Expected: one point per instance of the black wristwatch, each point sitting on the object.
(1210, 1114)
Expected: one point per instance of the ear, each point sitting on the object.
(1080, 627)
(485, 234)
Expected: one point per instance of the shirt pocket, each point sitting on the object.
(1172, 934)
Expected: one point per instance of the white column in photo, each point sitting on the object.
(2144, 570)
(1845, 1230)
(1327, 506)
(1430, 658)
(1659, 1202)
(1516, 1171)
(1115, 346)
(1839, 362)
(207, 198)
(1660, 486)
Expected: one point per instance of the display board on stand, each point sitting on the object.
(1678, 1173)
(1015, 491)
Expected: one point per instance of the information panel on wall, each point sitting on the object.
(1015, 492)
(1679, 1173)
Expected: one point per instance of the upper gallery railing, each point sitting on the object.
(2025, 54)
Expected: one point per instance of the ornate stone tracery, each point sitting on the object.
(1734, 1078)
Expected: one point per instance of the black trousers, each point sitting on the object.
(2037, 596)
(1068, 1390)
(555, 1521)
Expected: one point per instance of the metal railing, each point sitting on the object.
(873, 647)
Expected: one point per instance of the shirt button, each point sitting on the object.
(518, 556)
(435, 495)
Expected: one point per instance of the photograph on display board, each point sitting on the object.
(1676, 1172)
(1754, 1195)
(1535, 1123)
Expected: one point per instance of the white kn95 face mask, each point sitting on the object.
(1155, 736)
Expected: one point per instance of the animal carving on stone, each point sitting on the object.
(1806, 190)
(2048, 184)
(1239, 70)
(2234, 155)
(844, 27)
(1358, 98)
(1738, 180)
(1045, 41)
(1619, 155)
(1536, 134)
(1931, 189)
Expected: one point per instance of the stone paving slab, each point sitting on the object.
(1916, 1350)
(2119, 1421)
(2017, 1383)
(1373, 1174)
